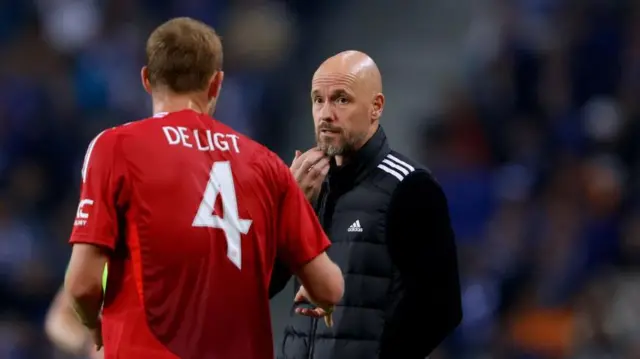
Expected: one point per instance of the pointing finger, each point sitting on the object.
(299, 157)
(295, 164)
(310, 160)
(319, 168)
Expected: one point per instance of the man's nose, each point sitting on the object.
(326, 114)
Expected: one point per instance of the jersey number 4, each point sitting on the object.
(221, 183)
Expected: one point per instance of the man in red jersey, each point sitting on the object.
(190, 216)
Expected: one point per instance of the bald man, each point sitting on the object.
(388, 221)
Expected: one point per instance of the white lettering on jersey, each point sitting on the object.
(184, 137)
(211, 141)
(81, 216)
(221, 183)
(172, 135)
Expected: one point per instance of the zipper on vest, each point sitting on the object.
(325, 211)
(322, 201)
(312, 338)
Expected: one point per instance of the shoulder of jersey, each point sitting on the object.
(119, 130)
(397, 166)
(133, 124)
(141, 122)
(111, 132)
(115, 130)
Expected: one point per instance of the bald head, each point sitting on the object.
(355, 64)
(346, 91)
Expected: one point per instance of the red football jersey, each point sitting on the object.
(194, 215)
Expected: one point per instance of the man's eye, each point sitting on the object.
(317, 100)
(342, 100)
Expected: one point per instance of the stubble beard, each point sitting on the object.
(332, 148)
(341, 146)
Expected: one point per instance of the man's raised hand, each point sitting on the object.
(310, 169)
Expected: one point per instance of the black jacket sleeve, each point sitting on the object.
(279, 278)
(421, 244)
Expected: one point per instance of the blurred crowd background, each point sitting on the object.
(525, 110)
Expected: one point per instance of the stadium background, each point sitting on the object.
(525, 110)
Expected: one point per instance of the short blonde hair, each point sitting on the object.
(183, 54)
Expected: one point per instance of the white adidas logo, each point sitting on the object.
(355, 227)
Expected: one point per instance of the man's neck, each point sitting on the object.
(344, 159)
(165, 103)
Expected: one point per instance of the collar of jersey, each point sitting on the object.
(362, 162)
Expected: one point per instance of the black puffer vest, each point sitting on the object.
(352, 208)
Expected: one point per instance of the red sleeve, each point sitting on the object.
(300, 235)
(101, 194)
